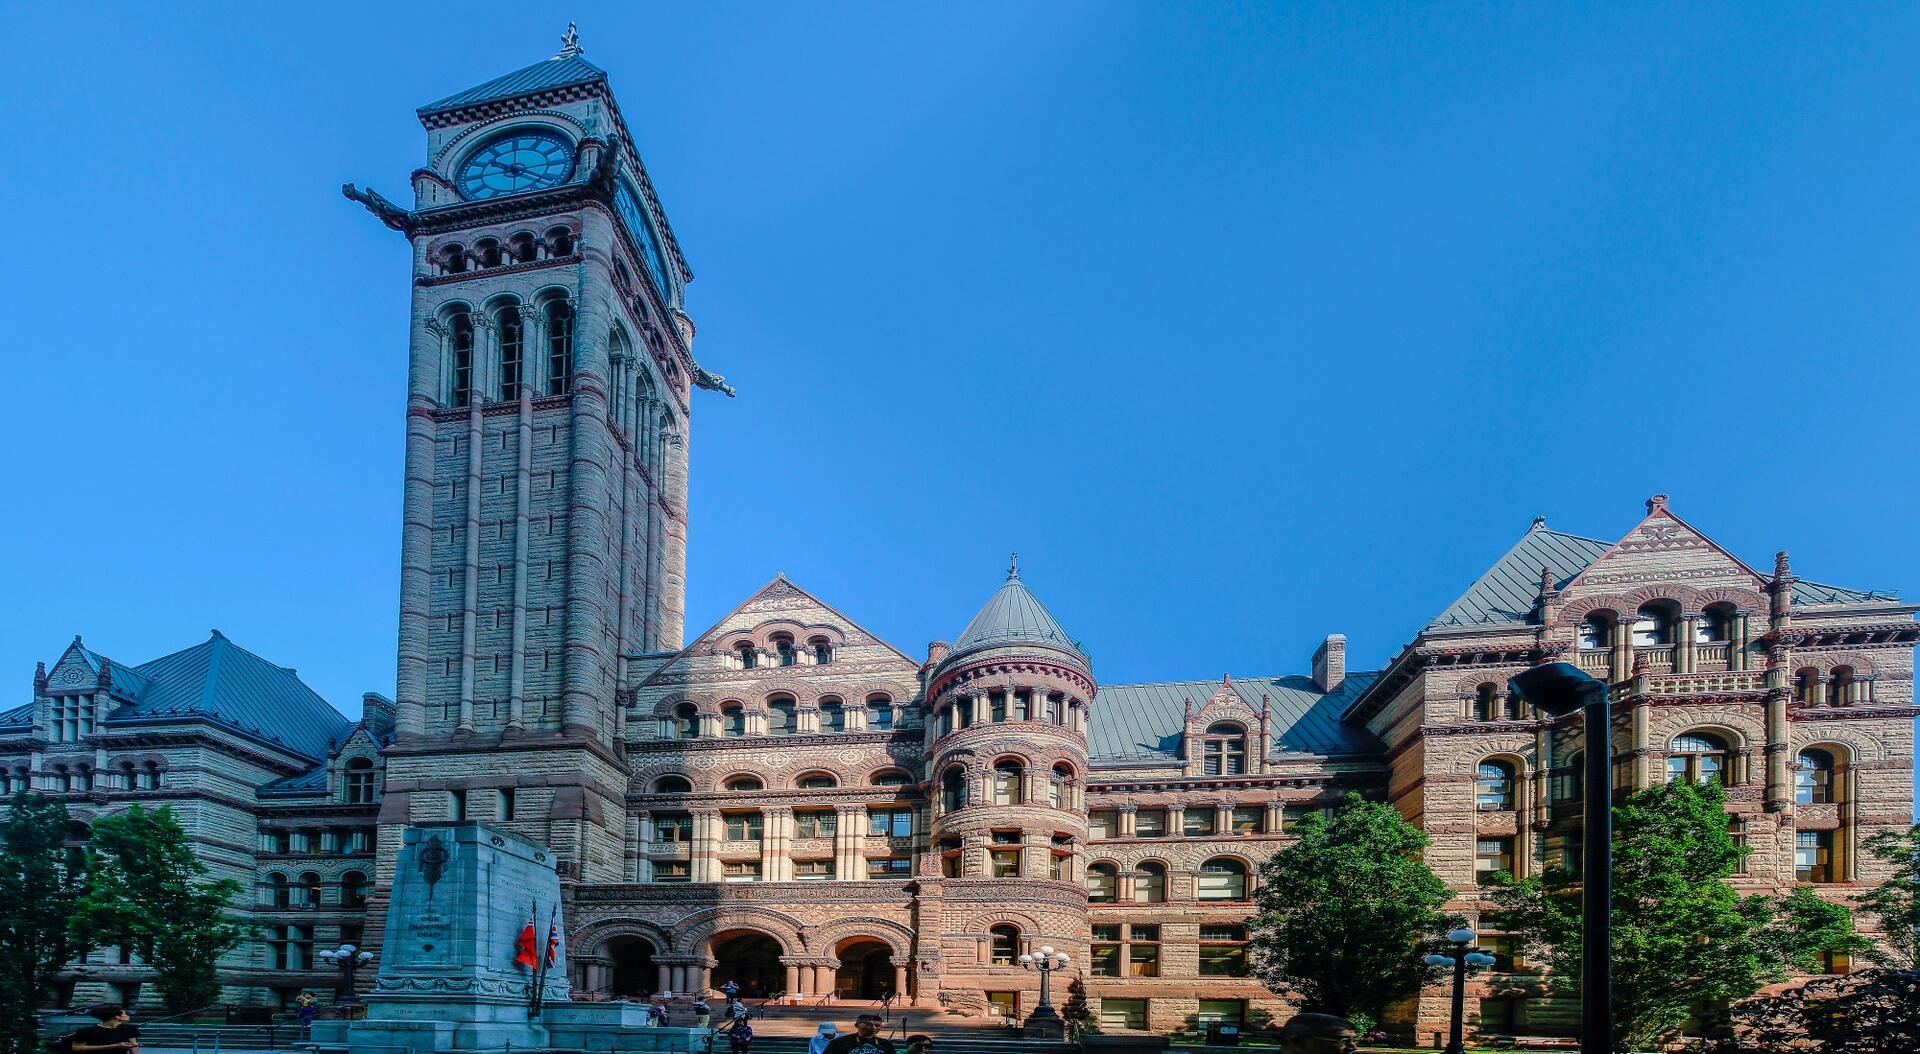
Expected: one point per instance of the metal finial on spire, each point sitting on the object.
(1013, 565)
(570, 42)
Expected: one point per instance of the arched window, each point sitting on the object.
(62, 779)
(1226, 751)
(1813, 778)
(1839, 684)
(309, 890)
(1486, 702)
(816, 781)
(783, 648)
(953, 789)
(560, 241)
(1699, 757)
(879, 713)
(673, 785)
(1058, 779)
(1006, 783)
(748, 656)
(891, 778)
(1150, 883)
(460, 336)
(686, 721)
(353, 890)
(1715, 625)
(833, 715)
(128, 779)
(822, 650)
(487, 252)
(1222, 878)
(783, 715)
(1653, 626)
(521, 248)
(559, 347)
(278, 895)
(745, 783)
(1103, 883)
(82, 778)
(512, 351)
(1594, 633)
(359, 781)
(733, 721)
(453, 258)
(150, 777)
(1493, 787)
(1005, 945)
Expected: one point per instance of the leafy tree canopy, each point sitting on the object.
(41, 884)
(1895, 903)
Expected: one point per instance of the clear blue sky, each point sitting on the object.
(1244, 325)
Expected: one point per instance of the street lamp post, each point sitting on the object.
(1464, 955)
(1560, 688)
(1044, 1022)
(348, 959)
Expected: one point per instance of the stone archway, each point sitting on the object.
(634, 972)
(866, 969)
(750, 959)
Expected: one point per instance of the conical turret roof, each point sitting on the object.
(1014, 616)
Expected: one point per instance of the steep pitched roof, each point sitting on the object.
(220, 682)
(561, 71)
(1506, 592)
(1816, 593)
(1144, 722)
(781, 588)
(1013, 615)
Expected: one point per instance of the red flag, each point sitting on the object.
(525, 949)
(553, 936)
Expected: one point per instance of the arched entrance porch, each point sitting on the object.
(750, 959)
(866, 969)
(634, 972)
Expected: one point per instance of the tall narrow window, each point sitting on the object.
(1493, 787)
(512, 352)
(1813, 856)
(822, 651)
(1057, 779)
(783, 648)
(833, 716)
(1486, 702)
(506, 804)
(953, 790)
(460, 330)
(733, 721)
(749, 658)
(359, 783)
(1226, 751)
(1005, 946)
(686, 721)
(559, 347)
(1150, 883)
(879, 713)
(1006, 783)
(1813, 778)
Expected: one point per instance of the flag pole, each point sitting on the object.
(539, 971)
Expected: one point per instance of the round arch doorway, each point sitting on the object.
(634, 973)
(750, 960)
(866, 970)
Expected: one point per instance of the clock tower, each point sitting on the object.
(545, 499)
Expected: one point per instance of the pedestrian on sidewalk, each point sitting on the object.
(113, 1033)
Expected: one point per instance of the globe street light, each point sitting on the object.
(1464, 955)
(1044, 1022)
(1559, 689)
(348, 959)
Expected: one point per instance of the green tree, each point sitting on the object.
(41, 884)
(150, 894)
(1683, 939)
(1896, 902)
(1347, 912)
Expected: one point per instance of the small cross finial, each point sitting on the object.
(1013, 565)
(570, 42)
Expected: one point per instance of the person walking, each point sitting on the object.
(827, 1034)
(866, 1038)
(113, 1033)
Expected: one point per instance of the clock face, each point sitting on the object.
(641, 227)
(516, 162)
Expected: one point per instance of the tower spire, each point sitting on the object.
(1013, 566)
(570, 42)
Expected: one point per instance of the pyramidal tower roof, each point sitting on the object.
(1014, 616)
(564, 70)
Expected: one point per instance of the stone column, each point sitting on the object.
(1275, 818)
(1737, 654)
(1176, 821)
(588, 466)
(416, 538)
(664, 982)
(899, 980)
(1779, 786)
(1129, 817)
(1222, 818)
(1623, 647)
(793, 978)
(1642, 715)
(469, 609)
(1684, 657)
(523, 490)
(706, 833)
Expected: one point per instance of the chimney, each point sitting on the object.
(937, 652)
(1330, 662)
(377, 711)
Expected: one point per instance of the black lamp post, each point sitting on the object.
(349, 960)
(1560, 688)
(1463, 956)
(1045, 1022)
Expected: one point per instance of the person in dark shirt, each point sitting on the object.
(865, 1039)
(113, 1033)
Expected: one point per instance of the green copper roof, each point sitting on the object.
(1144, 722)
(561, 71)
(221, 682)
(1015, 616)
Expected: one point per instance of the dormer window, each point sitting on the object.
(822, 650)
(1225, 751)
(359, 781)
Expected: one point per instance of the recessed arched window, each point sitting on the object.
(1493, 787)
(953, 789)
(891, 778)
(746, 653)
(833, 715)
(82, 778)
(1058, 779)
(150, 777)
(453, 258)
(1697, 756)
(822, 650)
(1715, 625)
(1103, 883)
(745, 783)
(783, 650)
(512, 351)
(1150, 883)
(686, 721)
(1226, 750)
(879, 712)
(308, 890)
(1006, 783)
(559, 346)
(1486, 702)
(487, 252)
(353, 890)
(560, 241)
(1653, 626)
(359, 781)
(733, 721)
(1005, 945)
(783, 715)
(816, 781)
(278, 893)
(522, 248)
(460, 336)
(1594, 633)
(1839, 685)
(673, 785)
(1813, 778)
(1222, 878)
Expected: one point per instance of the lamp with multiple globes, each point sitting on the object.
(348, 959)
(1044, 1022)
(1464, 956)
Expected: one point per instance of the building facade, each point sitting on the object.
(790, 802)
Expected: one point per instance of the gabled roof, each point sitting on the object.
(1014, 616)
(1144, 722)
(1506, 592)
(220, 682)
(19, 717)
(561, 71)
(781, 588)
